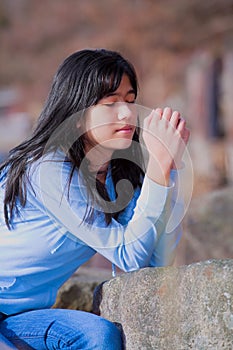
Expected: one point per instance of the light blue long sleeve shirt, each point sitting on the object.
(49, 239)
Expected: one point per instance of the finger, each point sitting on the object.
(167, 113)
(156, 117)
(181, 125)
(184, 132)
(159, 111)
(186, 135)
(175, 119)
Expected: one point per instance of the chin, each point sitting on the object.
(119, 144)
(123, 144)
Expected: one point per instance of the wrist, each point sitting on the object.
(159, 172)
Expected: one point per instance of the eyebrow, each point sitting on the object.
(132, 91)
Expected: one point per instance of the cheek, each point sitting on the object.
(100, 134)
(97, 118)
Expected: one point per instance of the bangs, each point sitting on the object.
(109, 80)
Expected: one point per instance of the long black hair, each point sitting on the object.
(83, 79)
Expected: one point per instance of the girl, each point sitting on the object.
(78, 186)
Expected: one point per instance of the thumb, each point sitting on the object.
(147, 120)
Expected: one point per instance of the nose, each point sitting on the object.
(124, 111)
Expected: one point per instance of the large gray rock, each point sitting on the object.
(208, 228)
(180, 308)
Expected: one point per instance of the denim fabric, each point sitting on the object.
(60, 329)
(5, 344)
(2, 316)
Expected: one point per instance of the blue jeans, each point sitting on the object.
(60, 329)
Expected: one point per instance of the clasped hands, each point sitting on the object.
(166, 136)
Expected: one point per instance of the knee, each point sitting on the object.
(108, 335)
(81, 330)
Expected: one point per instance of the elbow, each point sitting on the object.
(130, 263)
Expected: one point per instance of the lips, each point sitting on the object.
(126, 129)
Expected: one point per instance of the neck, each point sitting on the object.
(99, 159)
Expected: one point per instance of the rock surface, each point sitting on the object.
(208, 228)
(180, 308)
(77, 292)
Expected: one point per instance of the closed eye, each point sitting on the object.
(112, 104)
(109, 104)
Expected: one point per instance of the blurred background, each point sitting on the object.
(182, 51)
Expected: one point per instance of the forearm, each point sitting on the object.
(169, 226)
(129, 245)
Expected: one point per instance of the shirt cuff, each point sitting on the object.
(153, 198)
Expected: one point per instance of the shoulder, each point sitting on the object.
(51, 174)
(49, 165)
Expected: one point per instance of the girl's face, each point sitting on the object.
(111, 123)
